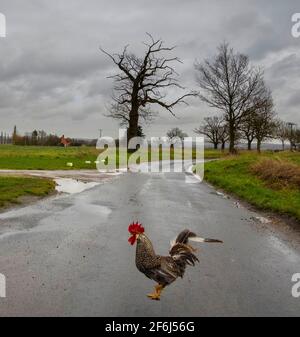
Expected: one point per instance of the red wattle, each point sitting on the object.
(132, 240)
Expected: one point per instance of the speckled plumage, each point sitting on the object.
(164, 269)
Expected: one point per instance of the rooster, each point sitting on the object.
(164, 269)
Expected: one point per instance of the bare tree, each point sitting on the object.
(213, 129)
(176, 133)
(282, 132)
(263, 116)
(224, 135)
(14, 135)
(247, 129)
(297, 139)
(292, 131)
(229, 84)
(142, 81)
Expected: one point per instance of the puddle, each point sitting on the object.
(71, 186)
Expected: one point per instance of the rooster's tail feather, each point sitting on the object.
(198, 239)
(186, 235)
(182, 252)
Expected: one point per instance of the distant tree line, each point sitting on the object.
(42, 138)
(36, 137)
(5, 138)
(257, 127)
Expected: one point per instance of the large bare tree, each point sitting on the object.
(143, 81)
(229, 84)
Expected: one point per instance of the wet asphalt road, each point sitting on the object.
(69, 255)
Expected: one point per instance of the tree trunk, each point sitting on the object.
(249, 145)
(215, 146)
(283, 146)
(231, 138)
(223, 146)
(133, 123)
(259, 146)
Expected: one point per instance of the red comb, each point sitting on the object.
(136, 228)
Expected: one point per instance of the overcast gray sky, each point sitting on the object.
(53, 76)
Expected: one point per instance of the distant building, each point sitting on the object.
(65, 141)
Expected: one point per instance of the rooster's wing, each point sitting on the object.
(166, 273)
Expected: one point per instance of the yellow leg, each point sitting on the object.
(157, 292)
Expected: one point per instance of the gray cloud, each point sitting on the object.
(53, 76)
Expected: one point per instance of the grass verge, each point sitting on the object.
(12, 189)
(237, 175)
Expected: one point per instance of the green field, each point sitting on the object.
(235, 175)
(46, 158)
(12, 189)
(56, 158)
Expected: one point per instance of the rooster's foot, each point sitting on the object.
(156, 295)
